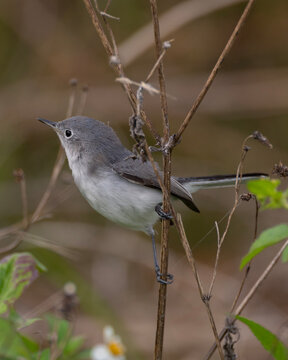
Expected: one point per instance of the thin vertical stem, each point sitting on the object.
(158, 352)
(250, 294)
(214, 71)
(204, 298)
(24, 201)
(60, 160)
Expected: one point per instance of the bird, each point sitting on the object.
(121, 187)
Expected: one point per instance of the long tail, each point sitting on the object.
(193, 184)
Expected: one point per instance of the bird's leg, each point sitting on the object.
(169, 277)
(162, 214)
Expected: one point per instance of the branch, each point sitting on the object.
(159, 339)
(214, 72)
(220, 240)
(203, 297)
(20, 178)
(248, 267)
(171, 21)
(98, 27)
(250, 294)
(19, 229)
(60, 160)
(116, 62)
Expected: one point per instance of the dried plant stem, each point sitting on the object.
(20, 178)
(204, 297)
(55, 174)
(60, 160)
(215, 332)
(214, 72)
(159, 338)
(247, 270)
(83, 100)
(250, 294)
(98, 27)
(189, 253)
(24, 202)
(155, 66)
(111, 50)
(51, 302)
(159, 49)
(117, 65)
(266, 272)
(20, 228)
(248, 267)
(173, 19)
(11, 229)
(220, 240)
(216, 260)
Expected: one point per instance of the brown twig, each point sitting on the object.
(248, 267)
(83, 99)
(162, 297)
(205, 298)
(156, 65)
(60, 160)
(174, 18)
(98, 27)
(52, 182)
(189, 253)
(14, 230)
(20, 178)
(220, 240)
(49, 303)
(250, 295)
(19, 229)
(111, 49)
(117, 66)
(213, 73)
(266, 272)
(216, 260)
(71, 102)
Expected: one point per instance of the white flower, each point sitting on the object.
(112, 349)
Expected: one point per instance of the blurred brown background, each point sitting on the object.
(46, 43)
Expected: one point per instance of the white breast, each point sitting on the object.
(119, 200)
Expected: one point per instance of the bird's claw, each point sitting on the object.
(162, 214)
(169, 277)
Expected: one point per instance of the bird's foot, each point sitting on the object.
(162, 214)
(159, 275)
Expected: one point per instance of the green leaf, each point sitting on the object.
(61, 328)
(84, 355)
(13, 344)
(73, 345)
(17, 271)
(45, 355)
(269, 341)
(267, 193)
(285, 255)
(267, 238)
(63, 332)
(263, 188)
(18, 321)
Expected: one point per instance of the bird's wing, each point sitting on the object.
(142, 173)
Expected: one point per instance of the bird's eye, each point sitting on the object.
(68, 133)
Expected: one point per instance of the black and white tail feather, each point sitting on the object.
(193, 184)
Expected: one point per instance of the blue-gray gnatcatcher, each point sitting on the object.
(119, 186)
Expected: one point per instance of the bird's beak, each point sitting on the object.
(48, 122)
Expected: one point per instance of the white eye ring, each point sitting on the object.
(68, 133)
